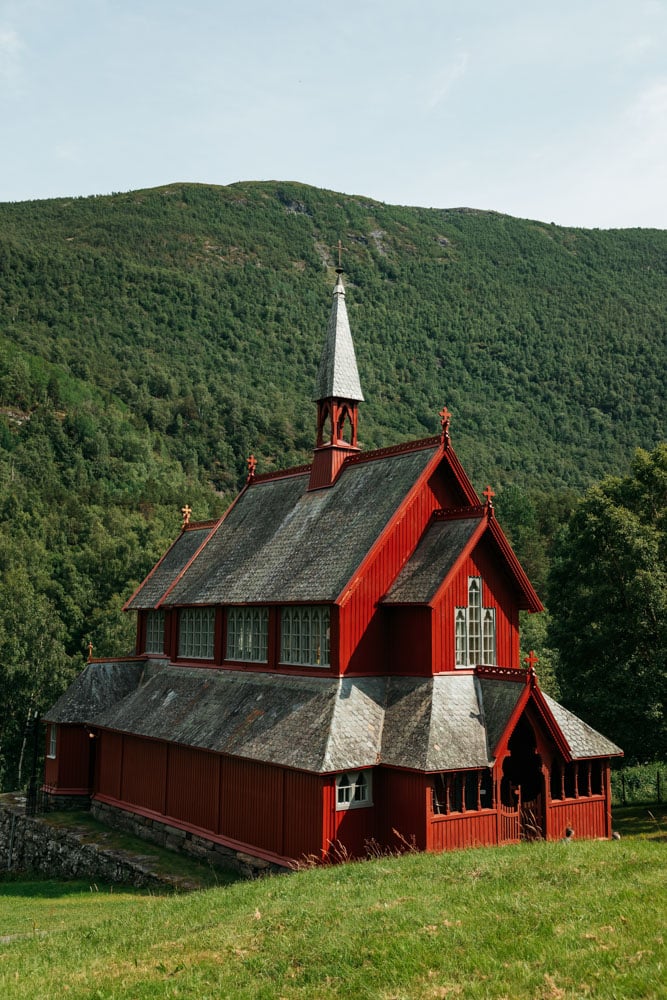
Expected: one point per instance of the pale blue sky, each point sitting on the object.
(547, 110)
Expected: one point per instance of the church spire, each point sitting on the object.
(338, 394)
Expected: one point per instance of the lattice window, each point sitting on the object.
(196, 628)
(475, 629)
(154, 632)
(354, 790)
(247, 634)
(304, 636)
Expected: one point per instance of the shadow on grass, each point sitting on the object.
(33, 885)
(648, 822)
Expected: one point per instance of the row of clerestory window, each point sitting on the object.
(304, 635)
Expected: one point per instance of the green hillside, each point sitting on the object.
(150, 341)
(530, 922)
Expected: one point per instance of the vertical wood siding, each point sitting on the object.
(405, 799)
(303, 815)
(363, 644)
(587, 817)
(497, 592)
(144, 773)
(109, 771)
(70, 769)
(409, 645)
(473, 829)
(354, 829)
(251, 803)
(193, 787)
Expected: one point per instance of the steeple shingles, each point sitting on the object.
(338, 376)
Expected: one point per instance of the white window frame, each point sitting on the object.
(474, 629)
(354, 790)
(247, 635)
(305, 636)
(53, 741)
(154, 632)
(196, 633)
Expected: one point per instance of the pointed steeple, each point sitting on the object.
(338, 394)
(338, 375)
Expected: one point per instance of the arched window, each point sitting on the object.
(475, 629)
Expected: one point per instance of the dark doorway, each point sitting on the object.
(521, 785)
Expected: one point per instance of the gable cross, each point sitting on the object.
(531, 660)
(186, 512)
(252, 465)
(445, 418)
(90, 650)
(489, 494)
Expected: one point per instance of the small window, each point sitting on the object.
(353, 790)
(247, 634)
(304, 636)
(195, 633)
(53, 740)
(154, 632)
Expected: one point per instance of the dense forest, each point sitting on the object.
(150, 341)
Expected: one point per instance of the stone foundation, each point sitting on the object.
(182, 841)
(31, 843)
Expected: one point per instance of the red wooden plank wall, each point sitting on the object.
(473, 829)
(110, 764)
(496, 593)
(252, 818)
(70, 769)
(144, 773)
(362, 640)
(355, 828)
(405, 795)
(302, 815)
(409, 645)
(587, 817)
(192, 787)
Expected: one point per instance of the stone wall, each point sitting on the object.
(31, 843)
(175, 839)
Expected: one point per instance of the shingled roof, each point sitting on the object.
(432, 560)
(281, 543)
(448, 722)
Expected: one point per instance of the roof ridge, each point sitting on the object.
(394, 449)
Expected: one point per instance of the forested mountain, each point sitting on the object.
(150, 341)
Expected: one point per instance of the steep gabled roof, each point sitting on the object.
(171, 565)
(446, 542)
(281, 543)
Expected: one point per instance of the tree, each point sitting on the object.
(608, 601)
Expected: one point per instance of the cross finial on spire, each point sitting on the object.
(445, 419)
(90, 650)
(340, 248)
(252, 465)
(186, 512)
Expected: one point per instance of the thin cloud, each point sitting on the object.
(445, 80)
(11, 48)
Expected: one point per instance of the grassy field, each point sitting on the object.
(539, 921)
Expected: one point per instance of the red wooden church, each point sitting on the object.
(333, 662)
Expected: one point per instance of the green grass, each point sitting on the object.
(539, 921)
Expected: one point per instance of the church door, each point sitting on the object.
(521, 787)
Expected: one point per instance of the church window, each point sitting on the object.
(195, 633)
(475, 629)
(154, 632)
(462, 791)
(304, 636)
(53, 740)
(247, 634)
(353, 790)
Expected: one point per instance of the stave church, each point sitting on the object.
(332, 667)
